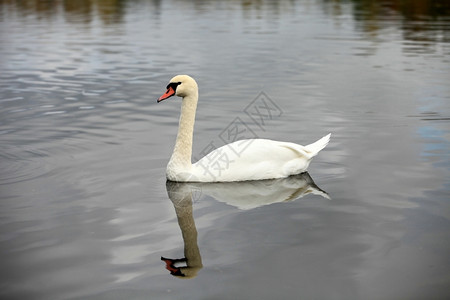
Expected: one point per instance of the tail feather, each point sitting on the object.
(315, 147)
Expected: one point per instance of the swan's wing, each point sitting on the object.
(310, 150)
(299, 150)
(251, 160)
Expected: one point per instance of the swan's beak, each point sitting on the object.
(169, 93)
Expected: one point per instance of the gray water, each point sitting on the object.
(85, 209)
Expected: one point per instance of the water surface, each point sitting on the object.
(85, 209)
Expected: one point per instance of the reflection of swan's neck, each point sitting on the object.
(189, 232)
(181, 197)
(181, 157)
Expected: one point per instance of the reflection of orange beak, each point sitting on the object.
(170, 265)
(169, 93)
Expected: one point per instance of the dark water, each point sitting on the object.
(85, 210)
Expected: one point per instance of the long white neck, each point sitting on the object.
(182, 152)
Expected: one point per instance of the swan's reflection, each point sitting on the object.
(252, 194)
(243, 195)
(181, 196)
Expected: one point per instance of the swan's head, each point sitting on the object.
(181, 86)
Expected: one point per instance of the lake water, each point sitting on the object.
(85, 209)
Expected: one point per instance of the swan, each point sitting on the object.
(251, 159)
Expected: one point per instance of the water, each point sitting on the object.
(85, 210)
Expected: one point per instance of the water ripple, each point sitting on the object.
(19, 165)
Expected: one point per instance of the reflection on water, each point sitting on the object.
(253, 194)
(420, 21)
(243, 195)
(181, 196)
(371, 16)
(109, 11)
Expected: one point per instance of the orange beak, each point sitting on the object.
(169, 93)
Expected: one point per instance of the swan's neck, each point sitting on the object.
(181, 157)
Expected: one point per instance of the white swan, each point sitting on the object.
(252, 159)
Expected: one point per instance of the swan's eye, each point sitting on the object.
(173, 85)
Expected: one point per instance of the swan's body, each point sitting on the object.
(253, 159)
